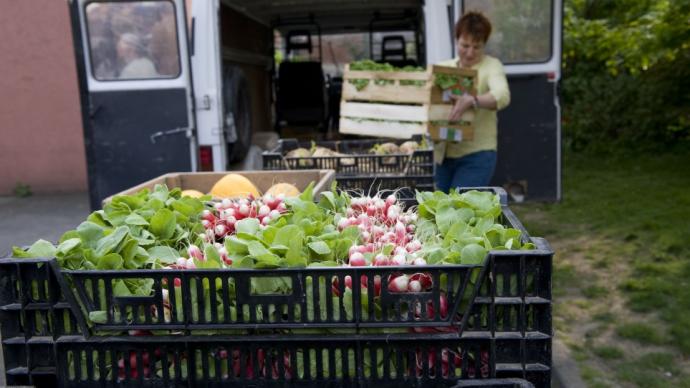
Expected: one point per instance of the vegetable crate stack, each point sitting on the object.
(335, 291)
(362, 166)
(379, 100)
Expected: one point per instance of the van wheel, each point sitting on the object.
(237, 112)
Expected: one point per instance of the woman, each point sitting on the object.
(472, 163)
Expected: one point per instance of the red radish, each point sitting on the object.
(281, 207)
(208, 215)
(178, 282)
(414, 286)
(244, 210)
(419, 261)
(393, 213)
(390, 200)
(399, 260)
(265, 220)
(190, 263)
(263, 211)
(423, 279)
(366, 236)
(413, 246)
(226, 203)
(381, 260)
(348, 281)
(206, 224)
(357, 260)
(398, 284)
(181, 262)
(274, 214)
(343, 223)
(371, 210)
(218, 206)
(195, 252)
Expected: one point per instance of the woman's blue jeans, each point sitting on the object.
(475, 169)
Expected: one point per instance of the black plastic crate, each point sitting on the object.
(359, 170)
(510, 316)
(295, 361)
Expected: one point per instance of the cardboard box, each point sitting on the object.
(263, 180)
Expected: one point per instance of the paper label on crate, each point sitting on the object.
(449, 134)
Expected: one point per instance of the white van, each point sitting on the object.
(182, 85)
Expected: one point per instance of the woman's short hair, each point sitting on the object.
(475, 25)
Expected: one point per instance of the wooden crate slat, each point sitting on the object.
(386, 75)
(408, 94)
(390, 129)
(390, 112)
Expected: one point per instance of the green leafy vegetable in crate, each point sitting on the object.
(369, 65)
(160, 229)
(459, 85)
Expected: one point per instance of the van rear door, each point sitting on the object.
(135, 86)
(526, 37)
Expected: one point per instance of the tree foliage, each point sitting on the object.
(626, 77)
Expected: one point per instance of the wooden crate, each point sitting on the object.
(263, 180)
(389, 106)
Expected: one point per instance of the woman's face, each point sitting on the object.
(470, 50)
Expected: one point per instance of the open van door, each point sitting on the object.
(527, 38)
(135, 89)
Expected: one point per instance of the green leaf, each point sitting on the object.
(165, 254)
(99, 316)
(163, 224)
(236, 246)
(108, 243)
(445, 217)
(184, 208)
(98, 218)
(473, 254)
(264, 258)
(322, 264)
(135, 219)
(212, 258)
(39, 249)
(248, 226)
(110, 261)
(286, 234)
(295, 256)
(90, 233)
(319, 247)
(67, 246)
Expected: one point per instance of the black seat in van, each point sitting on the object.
(301, 87)
(393, 51)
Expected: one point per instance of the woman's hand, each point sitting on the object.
(462, 104)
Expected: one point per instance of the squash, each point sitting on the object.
(192, 193)
(234, 185)
(283, 188)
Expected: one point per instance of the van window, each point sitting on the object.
(521, 29)
(133, 40)
(341, 49)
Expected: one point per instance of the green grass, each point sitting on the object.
(640, 332)
(653, 370)
(608, 352)
(636, 211)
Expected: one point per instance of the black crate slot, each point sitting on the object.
(237, 299)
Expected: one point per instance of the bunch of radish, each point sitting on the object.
(381, 222)
(220, 221)
(237, 366)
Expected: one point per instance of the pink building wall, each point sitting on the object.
(41, 138)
